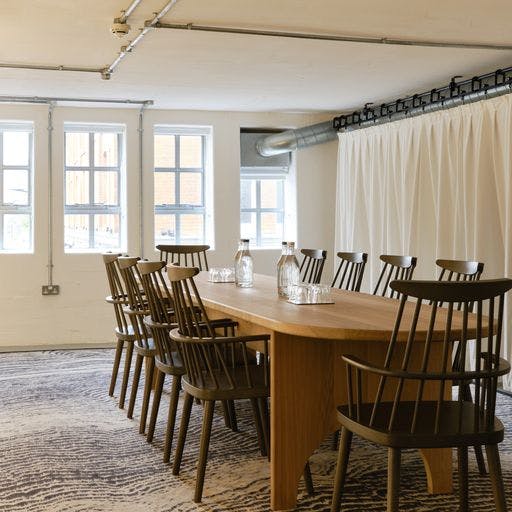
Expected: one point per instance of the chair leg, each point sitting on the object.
(148, 384)
(335, 440)
(462, 461)
(232, 415)
(171, 417)
(259, 428)
(493, 459)
(341, 468)
(157, 396)
(468, 397)
(393, 479)
(203, 448)
(115, 368)
(227, 416)
(263, 407)
(308, 480)
(185, 418)
(135, 384)
(126, 373)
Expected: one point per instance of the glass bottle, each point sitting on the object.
(243, 265)
(288, 272)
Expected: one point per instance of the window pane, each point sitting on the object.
(271, 193)
(16, 148)
(271, 228)
(77, 149)
(106, 231)
(77, 187)
(191, 151)
(248, 194)
(106, 188)
(76, 231)
(191, 227)
(248, 226)
(165, 149)
(191, 188)
(16, 187)
(165, 188)
(105, 149)
(165, 228)
(16, 231)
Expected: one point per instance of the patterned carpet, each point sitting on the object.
(66, 446)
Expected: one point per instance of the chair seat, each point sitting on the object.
(170, 368)
(456, 425)
(125, 334)
(209, 391)
(142, 350)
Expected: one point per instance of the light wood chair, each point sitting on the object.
(312, 265)
(461, 270)
(398, 423)
(136, 309)
(123, 330)
(395, 267)
(167, 359)
(185, 255)
(218, 367)
(350, 271)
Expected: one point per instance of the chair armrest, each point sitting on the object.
(502, 369)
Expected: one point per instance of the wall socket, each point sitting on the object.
(50, 289)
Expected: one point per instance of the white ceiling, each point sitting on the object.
(197, 70)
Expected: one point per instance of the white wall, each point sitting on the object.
(79, 316)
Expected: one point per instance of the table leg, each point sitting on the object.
(438, 467)
(302, 410)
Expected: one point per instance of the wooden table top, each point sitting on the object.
(353, 316)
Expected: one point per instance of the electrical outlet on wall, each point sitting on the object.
(50, 289)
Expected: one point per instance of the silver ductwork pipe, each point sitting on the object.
(291, 140)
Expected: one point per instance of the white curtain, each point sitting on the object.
(438, 185)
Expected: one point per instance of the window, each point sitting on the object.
(262, 209)
(16, 179)
(267, 195)
(180, 182)
(93, 163)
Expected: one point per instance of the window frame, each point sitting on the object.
(17, 209)
(177, 209)
(91, 209)
(258, 177)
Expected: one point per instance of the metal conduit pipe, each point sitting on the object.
(125, 50)
(447, 103)
(128, 12)
(47, 99)
(291, 140)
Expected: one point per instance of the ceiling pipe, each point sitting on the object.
(42, 67)
(290, 140)
(125, 50)
(333, 37)
(127, 12)
(54, 99)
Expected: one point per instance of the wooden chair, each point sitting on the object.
(312, 265)
(185, 255)
(136, 309)
(351, 270)
(461, 270)
(217, 368)
(167, 359)
(398, 423)
(395, 267)
(123, 331)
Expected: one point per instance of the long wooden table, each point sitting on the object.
(307, 375)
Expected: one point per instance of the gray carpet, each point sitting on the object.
(66, 446)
